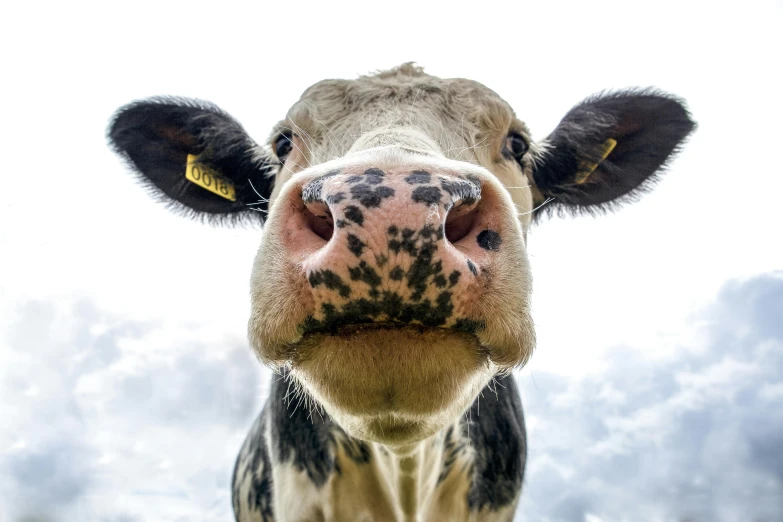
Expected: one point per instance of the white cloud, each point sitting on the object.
(132, 419)
(695, 436)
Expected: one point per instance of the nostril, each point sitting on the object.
(319, 219)
(459, 222)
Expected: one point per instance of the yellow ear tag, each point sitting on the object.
(588, 168)
(207, 178)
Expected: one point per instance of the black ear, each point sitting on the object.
(607, 149)
(162, 139)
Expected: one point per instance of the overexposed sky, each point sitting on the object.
(75, 228)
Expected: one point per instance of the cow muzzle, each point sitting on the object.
(412, 242)
(399, 246)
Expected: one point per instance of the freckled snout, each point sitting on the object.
(402, 245)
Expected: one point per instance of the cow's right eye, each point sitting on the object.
(282, 146)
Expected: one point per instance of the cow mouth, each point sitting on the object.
(359, 333)
(407, 374)
(346, 330)
(365, 336)
(343, 329)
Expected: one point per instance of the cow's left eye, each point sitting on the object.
(515, 147)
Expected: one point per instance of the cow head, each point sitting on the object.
(392, 277)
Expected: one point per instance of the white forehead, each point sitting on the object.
(455, 113)
(457, 118)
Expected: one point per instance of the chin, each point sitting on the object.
(393, 389)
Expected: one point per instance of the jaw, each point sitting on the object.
(390, 384)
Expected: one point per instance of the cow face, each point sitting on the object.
(392, 277)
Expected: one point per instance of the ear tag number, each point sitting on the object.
(206, 177)
(588, 168)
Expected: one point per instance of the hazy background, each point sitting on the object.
(126, 384)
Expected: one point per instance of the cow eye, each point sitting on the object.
(282, 146)
(515, 147)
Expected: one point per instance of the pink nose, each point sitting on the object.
(395, 246)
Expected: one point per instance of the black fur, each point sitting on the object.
(496, 431)
(155, 136)
(259, 467)
(649, 126)
(299, 437)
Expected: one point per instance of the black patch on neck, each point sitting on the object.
(298, 437)
(306, 440)
(496, 431)
(259, 495)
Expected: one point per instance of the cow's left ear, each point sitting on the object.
(608, 149)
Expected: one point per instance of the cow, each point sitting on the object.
(391, 289)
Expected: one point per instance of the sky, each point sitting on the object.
(126, 383)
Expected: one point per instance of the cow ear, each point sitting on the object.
(608, 149)
(194, 157)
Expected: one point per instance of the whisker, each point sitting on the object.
(263, 199)
(307, 139)
(297, 147)
(331, 136)
(548, 200)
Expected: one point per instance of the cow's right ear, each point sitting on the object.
(194, 157)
